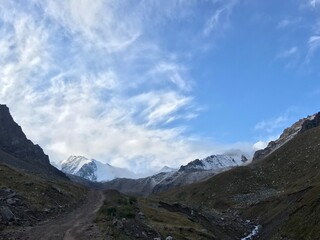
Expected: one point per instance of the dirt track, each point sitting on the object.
(76, 225)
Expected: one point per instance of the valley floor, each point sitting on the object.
(76, 225)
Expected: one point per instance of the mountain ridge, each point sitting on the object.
(19, 151)
(289, 133)
(93, 170)
(194, 171)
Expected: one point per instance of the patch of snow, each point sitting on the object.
(312, 117)
(106, 172)
(254, 233)
(94, 170)
(167, 169)
(74, 163)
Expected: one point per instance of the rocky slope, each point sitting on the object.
(18, 151)
(195, 171)
(93, 170)
(31, 190)
(278, 194)
(297, 128)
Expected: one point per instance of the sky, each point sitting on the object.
(146, 83)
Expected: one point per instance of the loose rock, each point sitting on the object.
(6, 214)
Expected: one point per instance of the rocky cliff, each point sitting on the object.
(18, 151)
(288, 134)
(15, 142)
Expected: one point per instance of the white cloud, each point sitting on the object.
(288, 53)
(259, 145)
(97, 22)
(313, 44)
(220, 18)
(288, 22)
(174, 73)
(271, 129)
(314, 3)
(76, 75)
(272, 125)
(91, 78)
(160, 107)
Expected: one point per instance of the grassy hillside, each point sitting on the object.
(126, 217)
(280, 192)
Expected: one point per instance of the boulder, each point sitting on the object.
(6, 214)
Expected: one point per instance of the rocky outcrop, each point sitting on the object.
(297, 128)
(15, 142)
(18, 151)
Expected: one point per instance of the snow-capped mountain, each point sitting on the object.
(93, 170)
(168, 178)
(217, 162)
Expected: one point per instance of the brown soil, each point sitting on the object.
(76, 225)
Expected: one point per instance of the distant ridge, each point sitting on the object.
(195, 171)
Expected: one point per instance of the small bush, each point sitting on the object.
(112, 211)
(132, 200)
(126, 212)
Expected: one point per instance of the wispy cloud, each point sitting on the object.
(288, 53)
(85, 77)
(288, 22)
(314, 3)
(313, 45)
(174, 73)
(272, 125)
(271, 129)
(220, 18)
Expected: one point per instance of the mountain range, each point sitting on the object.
(125, 181)
(195, 171)
(276, 196)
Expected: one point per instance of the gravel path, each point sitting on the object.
(75, 225)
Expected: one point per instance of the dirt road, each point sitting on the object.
(76, 225)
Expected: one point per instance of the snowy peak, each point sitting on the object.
(167, 169)
(216, 162)
(73, 164)
(93, 170)
(168, 178)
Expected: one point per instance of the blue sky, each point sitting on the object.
(142, 84)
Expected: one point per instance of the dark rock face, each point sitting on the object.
(15, 142)
(191, 166)
(311, 123)
(6, 214)
(297, 128)
(18, 151)
(88, 171)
